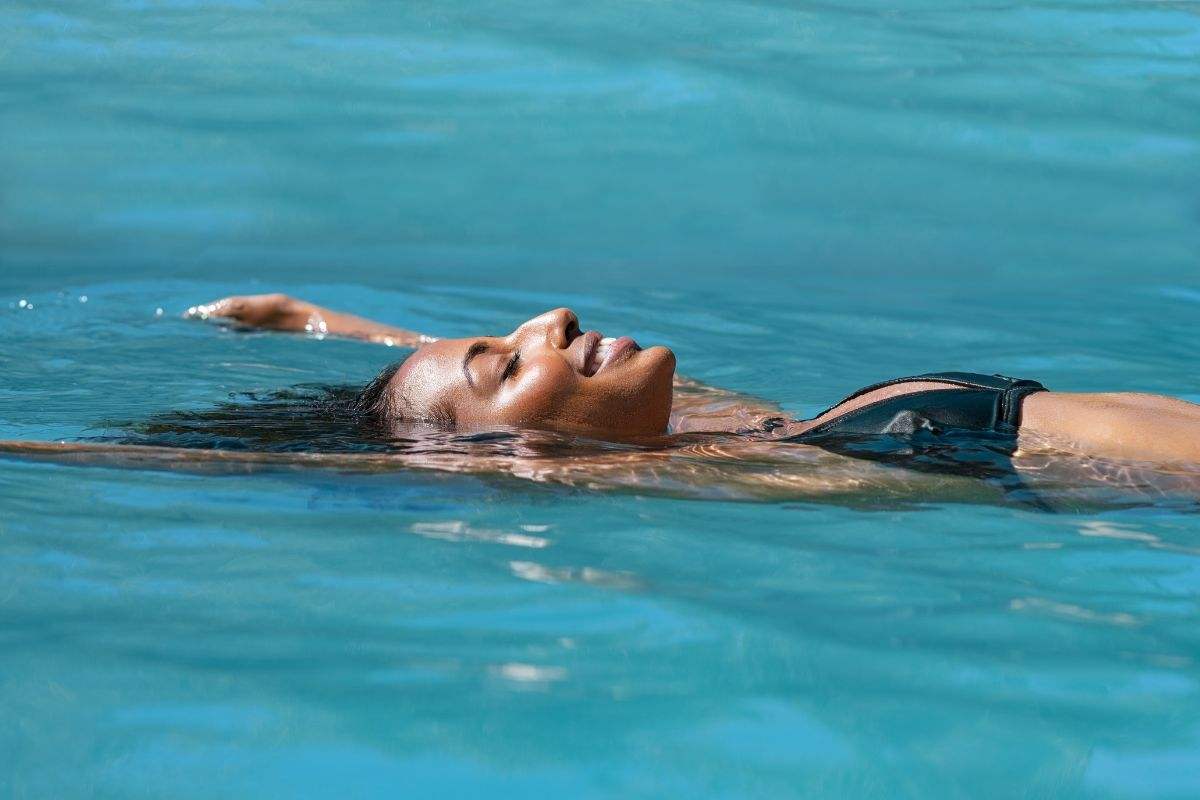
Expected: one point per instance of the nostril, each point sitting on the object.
(572, 330)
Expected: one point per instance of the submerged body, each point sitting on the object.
(547, 387)
(549, 374)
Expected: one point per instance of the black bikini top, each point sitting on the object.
(973, 403)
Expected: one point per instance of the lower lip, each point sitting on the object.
(618, 351)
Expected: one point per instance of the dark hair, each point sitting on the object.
(304, 418)
(322, 418)
(374, 401)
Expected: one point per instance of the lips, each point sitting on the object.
(602, 353)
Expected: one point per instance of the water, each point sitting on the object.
(799, 199)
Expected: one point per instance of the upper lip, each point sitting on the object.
(587, 353)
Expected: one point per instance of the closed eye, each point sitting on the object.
(511, 367)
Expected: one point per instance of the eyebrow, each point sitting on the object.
(478, 348)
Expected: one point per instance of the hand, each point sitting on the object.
(276, 312)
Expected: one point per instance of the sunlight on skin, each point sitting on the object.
(545, 374)
(1137, 427)
(548, 375)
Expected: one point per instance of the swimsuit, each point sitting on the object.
(986, 404)
(967, 427)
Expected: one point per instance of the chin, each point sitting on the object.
(660, 374)
(660, 359)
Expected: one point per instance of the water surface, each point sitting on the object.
(798, 198)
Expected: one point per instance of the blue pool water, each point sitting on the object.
(799, 198)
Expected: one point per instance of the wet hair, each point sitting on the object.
(304, 418)
(374, 401)
(323, 418)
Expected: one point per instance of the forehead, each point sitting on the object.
(432, 373)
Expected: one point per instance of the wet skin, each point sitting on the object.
(546, 373)
(554, 384)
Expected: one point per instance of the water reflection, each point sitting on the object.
(538, 573)
(1070, 611)
(460, 531)
(265, 434)
(529, 673)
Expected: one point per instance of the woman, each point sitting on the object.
(550, 374)
(653, 432)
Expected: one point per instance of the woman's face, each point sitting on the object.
(545, 374)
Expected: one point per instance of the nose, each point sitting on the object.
(556, 328)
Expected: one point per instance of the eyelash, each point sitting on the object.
(511, 368)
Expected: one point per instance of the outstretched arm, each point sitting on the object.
(279, 312)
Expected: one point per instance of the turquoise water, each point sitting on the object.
(798, 198)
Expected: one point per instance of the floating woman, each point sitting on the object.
(651, 431)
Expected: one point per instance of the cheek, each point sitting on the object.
(538, 393)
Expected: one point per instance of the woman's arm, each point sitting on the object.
(279, 312)
(1134, 427)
